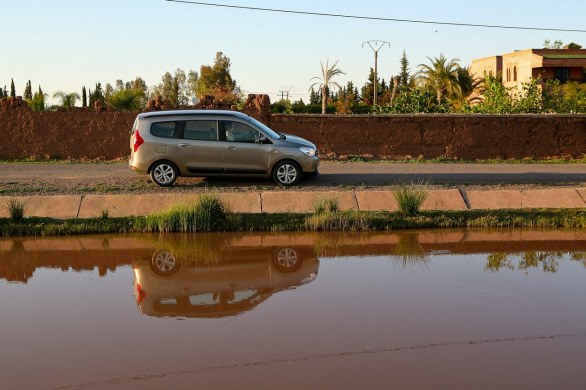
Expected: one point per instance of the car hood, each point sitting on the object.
(293, 139)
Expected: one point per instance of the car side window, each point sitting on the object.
(239, 132)
(201, 130)
(164, 129)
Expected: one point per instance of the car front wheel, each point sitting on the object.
(163, 173)
(286, 173)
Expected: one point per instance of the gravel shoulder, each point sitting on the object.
(20, 179)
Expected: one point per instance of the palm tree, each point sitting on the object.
(470, 89)
(325, 82)
(67, 99)
(441, 76)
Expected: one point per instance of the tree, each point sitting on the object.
(216, 80)
(28, 92)
(464, 95)
(192, 81)
(127, 100)
(325, 81)
(38, 101)
(108, 91)
(314, 97)
(441, 76)
(96, 96)
(83, 97)
(12, 89)
(405, 74)
(557, 44)
(67, 99)
(383, 91)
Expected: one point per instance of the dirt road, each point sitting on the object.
(69, 178)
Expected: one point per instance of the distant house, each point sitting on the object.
(566, 64)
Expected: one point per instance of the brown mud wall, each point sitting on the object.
(467, 137)
(91, 135)
(74, 134)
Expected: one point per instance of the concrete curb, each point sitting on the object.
(88, 206)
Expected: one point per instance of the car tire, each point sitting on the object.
(287, 260)
(163, 173)
(164, 263)
(286, 173)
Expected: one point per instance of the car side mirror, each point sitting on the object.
(262, 139)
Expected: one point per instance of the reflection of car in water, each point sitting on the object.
(234, 282)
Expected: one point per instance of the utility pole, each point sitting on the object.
(285, 91)
(376, 46)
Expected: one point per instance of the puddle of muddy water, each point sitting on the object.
(409, 310)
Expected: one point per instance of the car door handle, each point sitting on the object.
(231, 147)
(184, 145)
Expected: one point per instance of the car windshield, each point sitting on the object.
(267, 130)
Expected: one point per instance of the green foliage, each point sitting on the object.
(67, 100)
(415, 101)
(37, 103)
(325, 82)
(126, 100)
(338, 221)
(532, 99)
(216, 80)
(281, 107)
(83, 97)
(326, 205)
(28, 92)
(410, 198)
(12, 89)
(209, 213)
(441, 76)
(16, 209)
(405, 75)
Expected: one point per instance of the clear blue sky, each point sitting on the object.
(66, 44)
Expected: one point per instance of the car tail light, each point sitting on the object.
(137, 140)
(140, 294)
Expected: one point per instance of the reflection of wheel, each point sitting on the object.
(286, 173)
(286, 260)
(164, 263)
(163, 173)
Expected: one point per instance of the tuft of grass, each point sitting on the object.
(410, 197)
(208, 214)
(105, 213)
(339, 220)
(326, 205)
(16, 209)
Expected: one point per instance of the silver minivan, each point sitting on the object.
(168, 144)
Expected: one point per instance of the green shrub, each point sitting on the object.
(16, 209)
(326, 205)
(410, 197)
(208, 214)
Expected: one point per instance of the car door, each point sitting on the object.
(243, 153)
(199, 149)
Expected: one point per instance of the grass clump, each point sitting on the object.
(326, 205)
(410, 197)
(207, 214)
(342, 220)
(16, 209)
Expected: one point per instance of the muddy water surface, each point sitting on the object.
(415, 310)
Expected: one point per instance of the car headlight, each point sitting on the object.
(309, 151)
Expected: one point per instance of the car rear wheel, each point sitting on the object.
(286, 173)
(286, 260)
(163, 173)
(164, 263)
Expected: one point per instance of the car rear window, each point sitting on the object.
(164, 129)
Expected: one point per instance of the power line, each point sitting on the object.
(375, 18)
